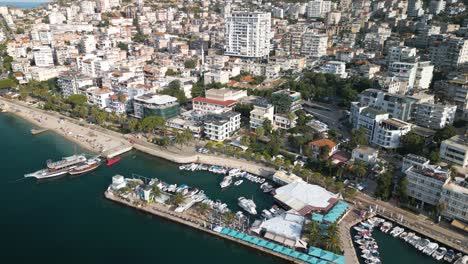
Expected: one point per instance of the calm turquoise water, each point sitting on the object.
(25, 5)
(68, 220)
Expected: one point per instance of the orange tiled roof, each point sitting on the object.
(322, 143)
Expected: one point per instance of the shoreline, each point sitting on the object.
(174, 217)
(97, 139)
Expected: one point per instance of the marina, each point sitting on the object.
(367, 242)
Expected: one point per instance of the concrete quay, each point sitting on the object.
(181, 218)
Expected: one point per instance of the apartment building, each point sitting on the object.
(260, 113)
(164, 106)
(314, 45)
(434, 116)
(455, 150)
(43, 56)
(388, 133)
(219, 127)
(425, 183)
(71, 83)
(99, 97)
(449, 53)
(248, 34)
(455, 198)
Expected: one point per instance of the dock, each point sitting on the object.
(37, 131)
(180, 218)
(110, 153)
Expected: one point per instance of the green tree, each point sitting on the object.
(156, 191)
(150, 123)
(122, 46)
(402, 189)
(77, 99)
(324, 152)
(282, 102)
(174, 89)
(445, 133)
(267, 126)
(190, 64)
(314, 235)
(177, 199)
(132, 124)
(359, 169)
(358, 137)
(384, 186)
(260, 131)
(412, 143)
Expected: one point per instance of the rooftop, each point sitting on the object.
(299, 195)
(213, 101)
(322, 143)
(458, 141)
(158, 99)
(396, 122)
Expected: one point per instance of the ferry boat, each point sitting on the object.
(248, 205)
(58, 168)
(112, 161)
(88, 166)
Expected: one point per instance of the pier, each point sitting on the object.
(189, 221)
(110, 153)
(37, 131)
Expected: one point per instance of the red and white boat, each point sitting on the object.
(112, 161)
(88, 166)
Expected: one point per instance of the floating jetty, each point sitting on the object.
(37, 131)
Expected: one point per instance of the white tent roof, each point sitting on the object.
(299, 194)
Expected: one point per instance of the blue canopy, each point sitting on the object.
(262, 243)
(327, 255)
(233, 233)
(312, 260)
(339, 259)
(240, 235)
(270, 245)
(313, 251)
(225, 230)
(295, 254)
(303, 257)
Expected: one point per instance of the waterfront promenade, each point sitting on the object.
(193, 222)
(98, 140)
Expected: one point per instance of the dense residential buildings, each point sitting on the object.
(219, 127)
(43, 56)
(455, 198)
(449, 53)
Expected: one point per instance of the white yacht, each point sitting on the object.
(431, 247)
(239, 182)
(248, 205)
(439, 253)
(226, 182)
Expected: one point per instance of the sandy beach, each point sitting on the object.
(92, 140)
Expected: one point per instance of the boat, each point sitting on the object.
(449, 256)
(112, 161)
(386, 227)
(248, 205)
(226, 182)
(234, 172)
(266, 187)
(239, 182)
(422, 244)
(267, 214)
(439, 253)
(58, 168)
(409, 237)
(88, 166)
(396, 231)
(430, 248)
(415, 240)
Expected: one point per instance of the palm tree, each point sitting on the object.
(179, 139)
(314, 233)
(156, 191)
(359, 169)
(177, 199)
(229, 217)
(203, 207)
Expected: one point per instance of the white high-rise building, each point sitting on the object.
(43, 56)
(87, 7)
(434, 116)
(415, 8)
(248, 34)
(89, 44)
(318, 8)
(314, 45)
(451, 52)
(437, 6)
